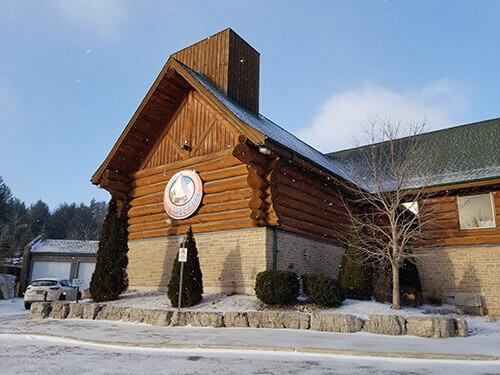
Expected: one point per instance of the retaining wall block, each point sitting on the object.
(133, 315)
(75, 311)
(180, 318)
(111, 313)
(157, 317)
(206, 319)
(90, 311)
(432, 327)
(271, 319)
(235, 319)
(336, 323)
(462, 328)
(385, 325)
(59, 310)
(40, 310)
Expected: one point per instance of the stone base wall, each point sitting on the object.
(450, 271)
(302, 254)
(229, 260)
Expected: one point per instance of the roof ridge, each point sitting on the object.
(450, 128)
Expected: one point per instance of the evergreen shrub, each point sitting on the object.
(355, 276)
(192, 280)
(110, 278)
(277, 287)
(322, 290)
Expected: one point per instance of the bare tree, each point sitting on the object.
(389, 205)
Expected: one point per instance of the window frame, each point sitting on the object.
(493, 212)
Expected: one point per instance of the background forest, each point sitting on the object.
(20, 224)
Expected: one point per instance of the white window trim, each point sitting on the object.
(493, 212)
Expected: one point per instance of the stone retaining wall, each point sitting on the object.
(432, 326)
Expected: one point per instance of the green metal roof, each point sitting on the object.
(454, 155)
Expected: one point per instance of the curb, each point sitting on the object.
(332, 352)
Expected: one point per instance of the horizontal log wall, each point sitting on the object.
(225, 204)
(445, 229)
(306, 204)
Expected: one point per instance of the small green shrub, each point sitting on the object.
(276, 287)
(322, 290)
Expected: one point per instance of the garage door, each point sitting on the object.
(50, 269)
(85, 271)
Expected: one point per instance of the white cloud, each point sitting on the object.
(341, 117)
(104, 17)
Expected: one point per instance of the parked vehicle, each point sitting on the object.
(49, 290)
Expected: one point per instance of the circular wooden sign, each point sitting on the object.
(183, 194)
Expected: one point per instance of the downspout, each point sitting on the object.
(275, 249)
(275, 240)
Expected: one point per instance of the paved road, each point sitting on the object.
(43, 355)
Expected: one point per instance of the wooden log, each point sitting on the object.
(259, 170)
(331, 222)
(116, 176)
(204, 209)
(148, 209)
(147, 199)
(197, 228)
(196, 219)
(218, 166)
(256, 203)
(272, 220)
(111, 185)
(119, 196)
(254, 180)
(233, 183)
(304, 177)
(336, 208)
(148, 218)
(217, 157)
(248, 155)
(227, 196)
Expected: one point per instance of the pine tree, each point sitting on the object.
(110, 276)
(192, 283)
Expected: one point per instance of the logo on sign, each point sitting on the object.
(183, 194)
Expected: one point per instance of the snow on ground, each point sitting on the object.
(362, 309)
(32, 354)
(13, 306)
(478, 326)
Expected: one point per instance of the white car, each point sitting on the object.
(49, 289)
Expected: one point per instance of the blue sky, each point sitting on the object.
(72, 73)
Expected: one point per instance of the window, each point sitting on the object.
(476, 211)
(412, 207)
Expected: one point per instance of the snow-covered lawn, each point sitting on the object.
(362, 309)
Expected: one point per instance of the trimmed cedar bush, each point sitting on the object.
(192, 280)
(409, 281)
(110, 278)
(277, 287)
(322, 290)
(355, 276)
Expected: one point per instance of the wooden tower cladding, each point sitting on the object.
(229, 63)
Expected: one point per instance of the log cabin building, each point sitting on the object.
(266, 199)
